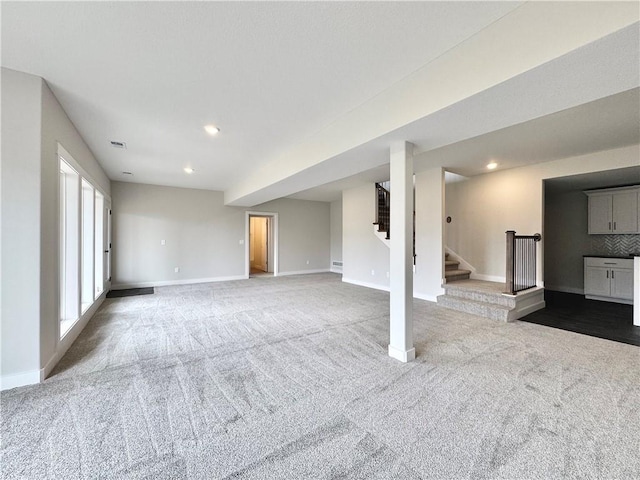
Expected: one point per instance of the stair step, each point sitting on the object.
(458, 274)
(473, 307)
(451, 265)
(484, 295)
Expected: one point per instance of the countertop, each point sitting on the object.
(614, 256)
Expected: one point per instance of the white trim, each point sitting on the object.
(303, 272)
(167, 283)
(62, 152)
(402, 355)
(488, 278)
(527, 302)
(71, 335)
(426, 296)
(20, 379)
(366, 284)
(523, 312)
(274, 236)
(464, 265)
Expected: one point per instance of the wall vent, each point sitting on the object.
(118, 144)
(336, 264)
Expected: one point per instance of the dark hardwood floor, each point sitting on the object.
(574, 313)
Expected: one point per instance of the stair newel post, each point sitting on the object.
(511, 239)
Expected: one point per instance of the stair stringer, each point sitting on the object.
(464, 265)
(382, 236)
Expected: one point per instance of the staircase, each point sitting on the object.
(486, 299)
(452, 270)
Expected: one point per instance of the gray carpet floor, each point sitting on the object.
(289, 378)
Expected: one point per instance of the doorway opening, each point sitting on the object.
(261, 244)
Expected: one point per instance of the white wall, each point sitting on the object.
(429, 206)
(363, 252)
(202, 235)
(365, 257)
(33, 122)
(336, 234)
(483, 208)
(21, 173)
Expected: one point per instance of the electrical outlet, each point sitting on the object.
(241, 242)
(307, 262)
(387, 274)
(177, 269)
(373, 272)
(162, 242)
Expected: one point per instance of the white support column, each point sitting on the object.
(401, 255)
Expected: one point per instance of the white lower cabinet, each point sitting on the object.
(609, 279)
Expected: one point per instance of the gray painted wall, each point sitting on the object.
(566, 241)
(33, 122)
(202, 236)
(57, 128)
(21, 99)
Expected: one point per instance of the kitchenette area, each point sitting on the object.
(614, 214)
(591, 254)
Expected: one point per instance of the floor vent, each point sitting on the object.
(336, 264)
(118, 144)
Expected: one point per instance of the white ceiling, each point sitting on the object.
(152, 74)
(272, 75)
(603, 124)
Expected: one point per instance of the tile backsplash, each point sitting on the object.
(615, 244)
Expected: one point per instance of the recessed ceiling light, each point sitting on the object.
(211, 129)
(189, 170)
(127, 173)
(492, 165)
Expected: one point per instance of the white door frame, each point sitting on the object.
(273, 235)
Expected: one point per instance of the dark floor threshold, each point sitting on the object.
(130, 292)
(574, 313)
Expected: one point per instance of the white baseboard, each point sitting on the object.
(76, 329)
(167, 283)
(303, 272)
(427, 297)
(365, 284)
(487, 278)
(20, 379)
(37, 376)
(402, 355)
(336, 269)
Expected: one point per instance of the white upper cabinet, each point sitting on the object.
(614, 211)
